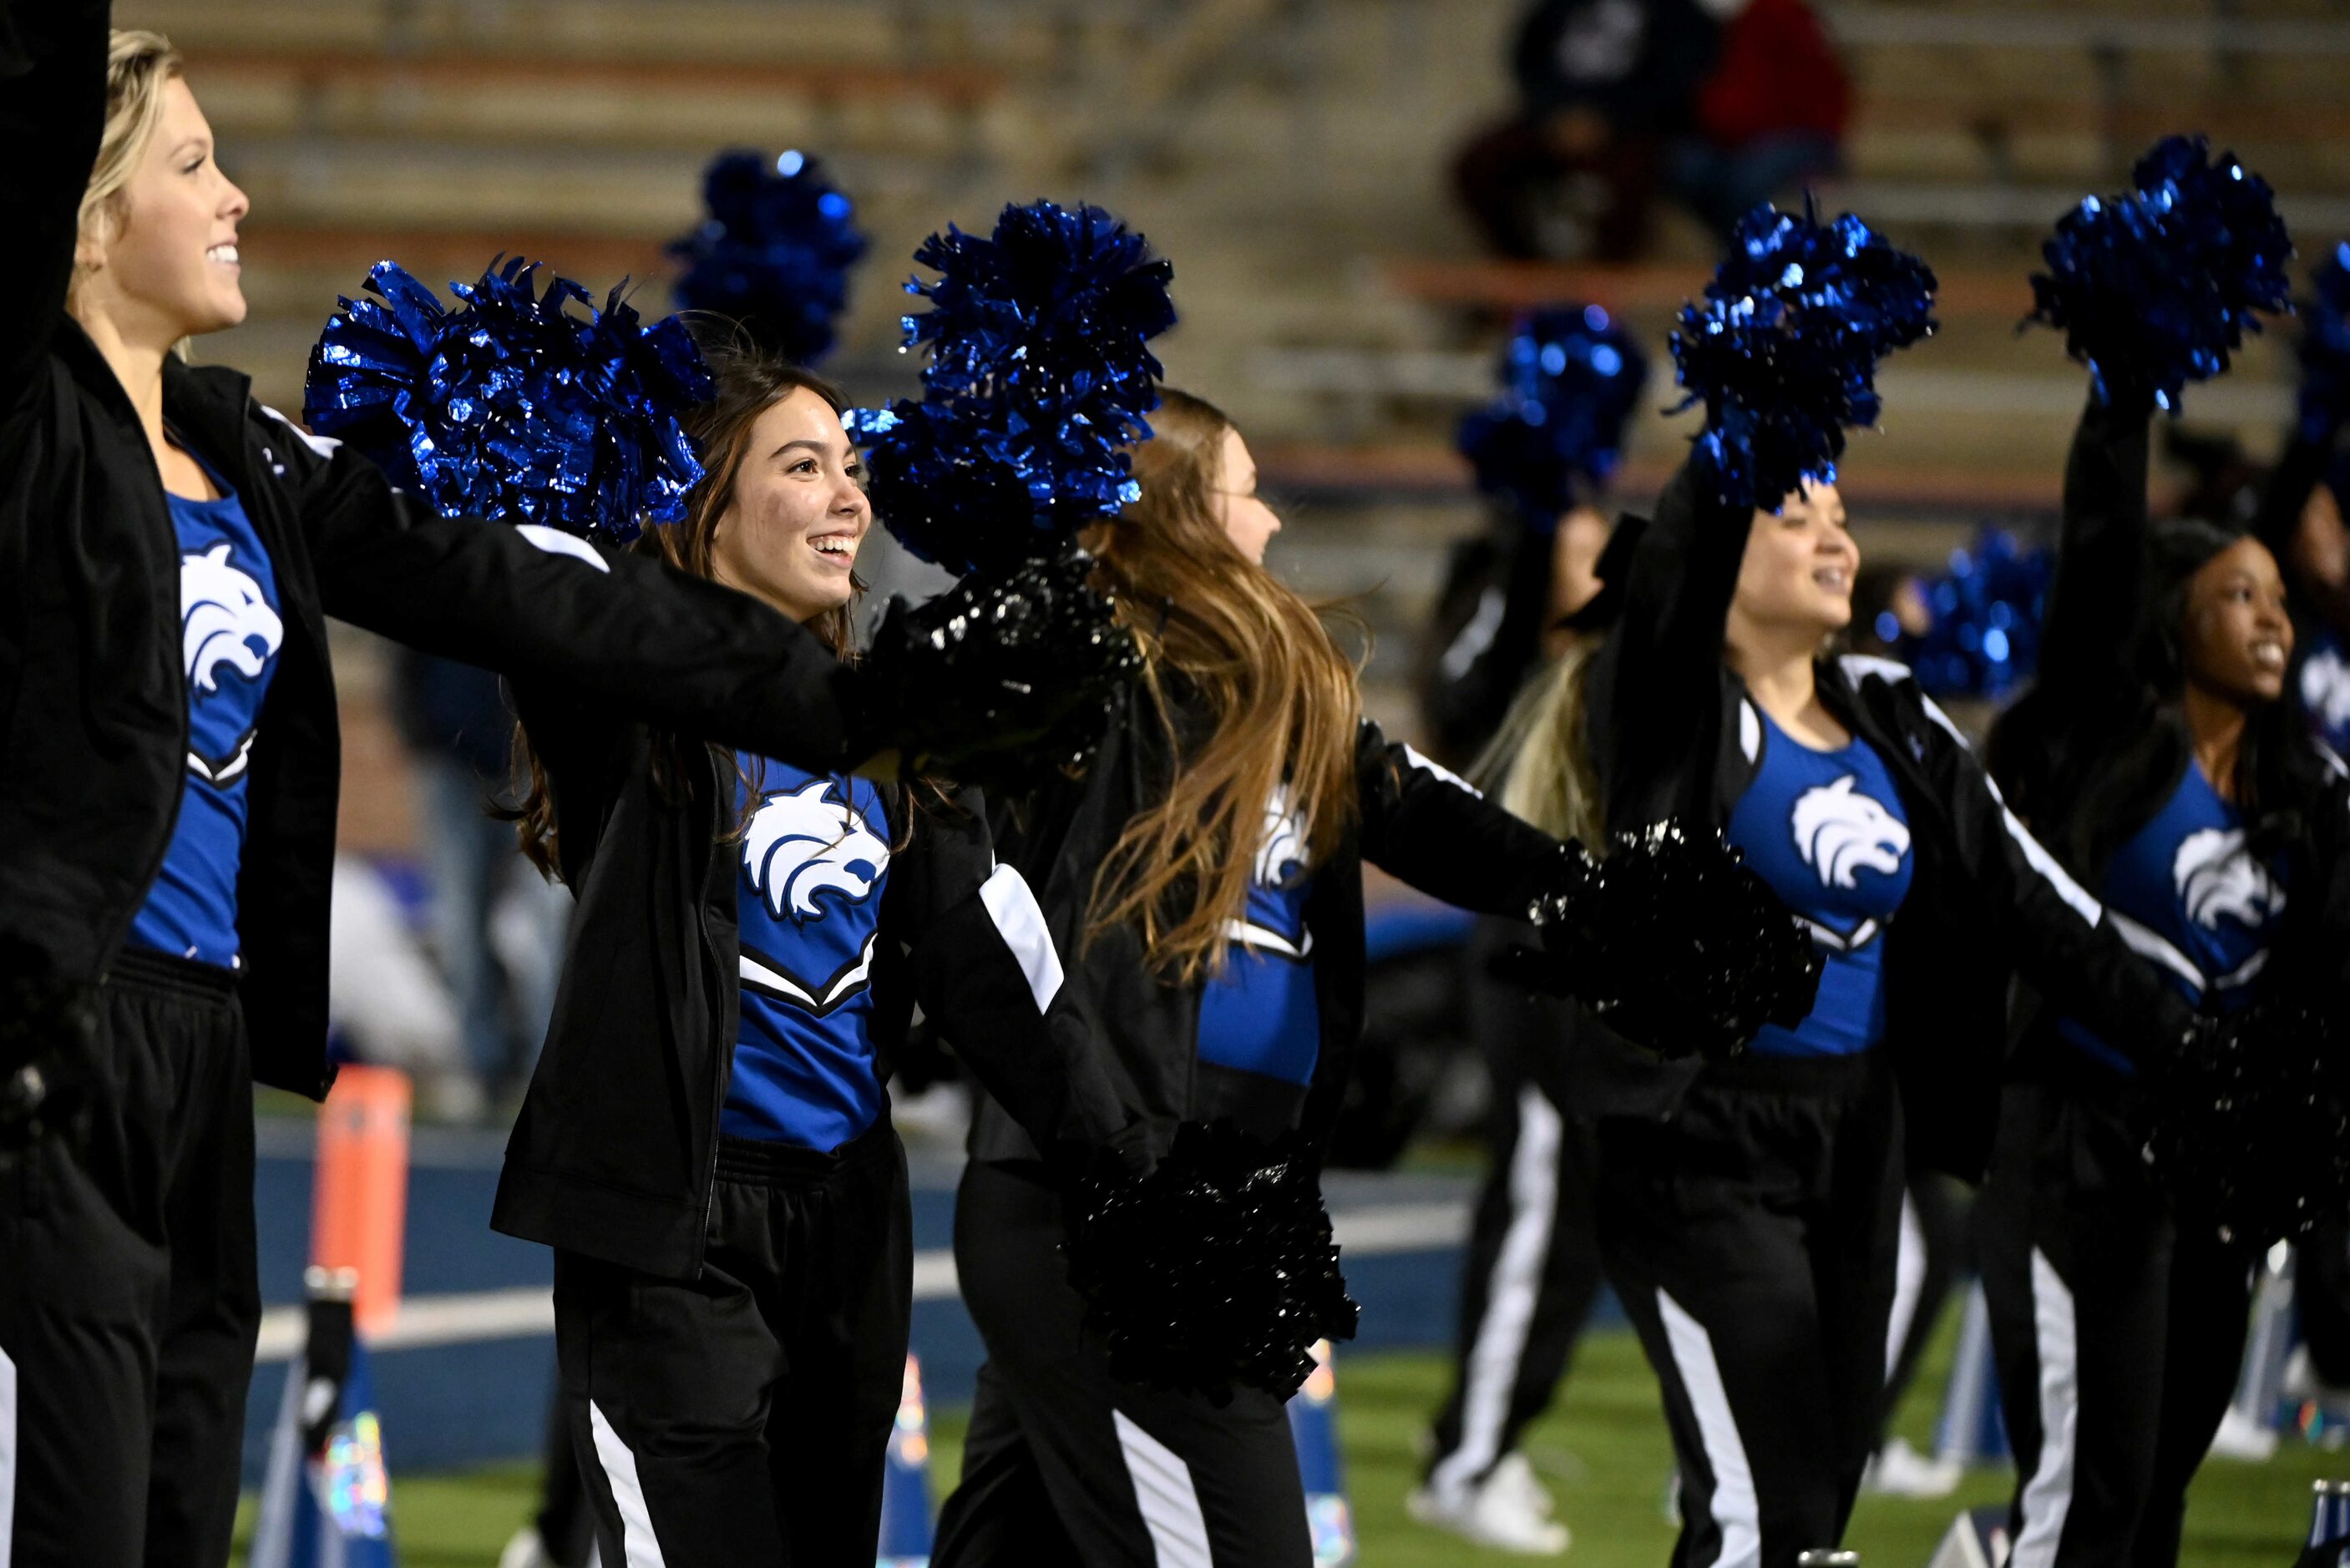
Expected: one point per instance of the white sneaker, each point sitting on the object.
(525, 1551)
(1510, 1510)
(1899, 1470)
(2241, 1438)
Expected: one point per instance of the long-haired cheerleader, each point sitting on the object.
(706, 1142)
(169, 549)
(1749, 1225)
(2158, 755)
(1205, 873)
(1543, 450)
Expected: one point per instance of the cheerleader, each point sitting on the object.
(1748, 1224)
(169, 549)
(1206, 874)
(2159, 754)
(706, 1141)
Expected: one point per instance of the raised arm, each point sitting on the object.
(1660, 672)
(661, 645)
(52, 115)
(2097, 606)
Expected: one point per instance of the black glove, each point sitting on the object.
(2249, 1124)
(1216, 1268)
(1673, 940)
(48, 1033)
(1004, 675)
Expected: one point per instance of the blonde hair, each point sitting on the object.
(1538, 763)
(1280, 699)
(138, 65)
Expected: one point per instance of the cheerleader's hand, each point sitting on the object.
(1673, 940)
(1216, 1268)
(2249, 1123)
(1005, 674)
(49, 1030)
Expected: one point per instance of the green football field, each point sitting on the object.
(1602, 1449)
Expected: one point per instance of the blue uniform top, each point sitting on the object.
(2325, 691)
(1826, 831)
(809, 876)
(229, 637)
(1260, 1014)
(2187, 894)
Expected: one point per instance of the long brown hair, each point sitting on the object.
(748, 383)
(1279, 695)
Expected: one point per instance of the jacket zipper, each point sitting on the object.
(721, 1048)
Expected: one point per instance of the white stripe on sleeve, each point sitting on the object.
(7, 1457)
(556, 541)
(1411, 754)
(1021, 924)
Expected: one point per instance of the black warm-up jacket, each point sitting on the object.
(2092, 750)
(93, 690)
(1674, 733)
(1414, 820)
(617, 1146)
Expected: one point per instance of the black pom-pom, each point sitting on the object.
(1007, 674)
(2250, 1123)
(1677, 943)
(1218, 1268)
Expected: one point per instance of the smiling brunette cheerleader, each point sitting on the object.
(168, 551)
(2158, 755)
(706, 1142)
(1749, 1227)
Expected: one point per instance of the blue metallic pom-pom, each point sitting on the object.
(1039, 379)
(1783, 351)
(2159, 286)
(1988, 608)
(511, 407)
(2326, 347)
(774, 252)
(1570, 377)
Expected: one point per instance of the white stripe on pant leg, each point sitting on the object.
(1511, 1293)
(1169, 1503)
(7, 1458)
(639, 1546)
(1909, 1281)
(1737, 1511)
(2048, 1495)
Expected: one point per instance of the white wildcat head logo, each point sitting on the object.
(221, 616)
(1284, 844)
(2215, 878)
(1840, 832)
(801, 844)
(2325, 689)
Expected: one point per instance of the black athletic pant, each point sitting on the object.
(1065, 1468)
(1751, 1238)
(1532, 1266)
(2118, 1336)
(743, 1416)
(128, 1300)
(1937, 1251)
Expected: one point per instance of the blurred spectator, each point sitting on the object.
(498, 923)
(1721, 104)
(386, 1002)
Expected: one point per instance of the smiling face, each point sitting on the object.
(1248, 522)
(798, 510)
(2235, 637)
(1796, 582)
(159, 262)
